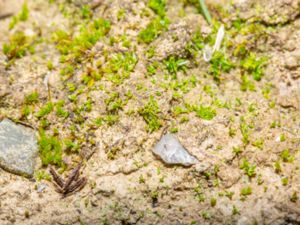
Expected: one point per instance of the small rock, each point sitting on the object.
(18, 148)
(172, 152)
(41, 187)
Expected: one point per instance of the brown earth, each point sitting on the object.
(124, 190)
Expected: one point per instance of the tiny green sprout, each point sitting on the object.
(258, 143)
(206, 215)
(45, 110)
(50, 149)
(237, 150)
(246, 191)
(199, 193)
(294, 197)
(152, 68)
(247, 84)
(60, 112)
(244, 128)
(158, 6)
(235, 210)
(275, 124)
(32, 98)
(153, 30)
(260, 180)
(277, 167)
(114, 103)
(173, 65)
(111, 119)
(205, 112)
(232, 132)
(286, 156)
(86, 12)
(17, 47)
(71, 146)
(121, 14)
(248, 168)
(254, 66)
(42, 175)
(142, 180)
(282, 137)
(173, 129)
(218, 64)
(284, 181)
(213, 201)
(150, 113)
(50, 65)
(24, 14)
(229, 194)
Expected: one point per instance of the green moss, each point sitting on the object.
(244, 128)
(24, 14)
(32, 98)
(50, 149)
(277, 167)
(45, 110)
(86, 12)
(205, 112)
(213, 202)
(153, 30)
(173, 65)
(248, 168)
(246, 191)
(286, 156)
(73, 48)
(254, 65)
(42, 175)
(19, 44)
(120, 66)
(158, 6)
(71, 146)
(60, 112)
(150, 113)
(219, 64)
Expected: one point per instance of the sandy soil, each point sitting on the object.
(127, 184)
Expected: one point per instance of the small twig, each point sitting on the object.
(71, 185)
(58, 180)
(74, 173)
(5, 15)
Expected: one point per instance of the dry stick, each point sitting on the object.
(74, 174)
(5, 15)
(75, 187)
(57, 178)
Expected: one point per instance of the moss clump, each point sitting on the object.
(218, 64)
(248, 168)
(120, 66)
(74, 48)
(205, 112)
(32, 98)
(150, 114)
(50, 149)
(158, 6)
(45, 110)
(19, 44)
(153, 30)
(254, 65)
(22, 16)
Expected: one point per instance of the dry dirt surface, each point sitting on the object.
(102, 81)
